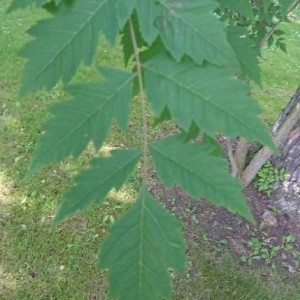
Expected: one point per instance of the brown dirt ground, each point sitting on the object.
(223, 226)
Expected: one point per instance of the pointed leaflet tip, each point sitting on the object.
(62, 42)
(139, 250)
(86, 117)
(95, 183)
(199, 173)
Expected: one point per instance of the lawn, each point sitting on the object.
(36, 263)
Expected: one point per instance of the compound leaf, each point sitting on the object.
(199, 173)
(207, 95)
(94, 184)
(190, 27)
(86, 117)
(140, 248)
(63, 41)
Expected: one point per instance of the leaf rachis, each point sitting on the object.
(142, 96)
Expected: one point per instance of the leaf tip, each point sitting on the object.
(250, 218)
(32, 170)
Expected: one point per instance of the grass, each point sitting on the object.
(36, 263)
(280, 73)
(213, 274)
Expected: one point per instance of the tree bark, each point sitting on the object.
(240, 155)
(282, 130)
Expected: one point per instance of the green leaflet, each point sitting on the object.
(190, 27)
(213, 147)
(124, 10)
(147, 12)
(285, 5)
(65, 40)
(140, 248)
(95, 183)
(207, 95)
(246, 53)
(126, 41)
(86, 117)
(199, 173)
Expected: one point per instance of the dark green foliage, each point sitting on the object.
(267, 177)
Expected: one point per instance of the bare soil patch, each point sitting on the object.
(272, 228)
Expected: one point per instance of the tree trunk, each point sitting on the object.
(286, 135)
(290, 155)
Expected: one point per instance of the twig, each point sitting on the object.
(234, 170)
(143, 103)
(274, 27)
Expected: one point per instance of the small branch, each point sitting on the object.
(144, 132)
(240, 155)
(234, 170)
(274, 27)
(293, 6)
(267, 36)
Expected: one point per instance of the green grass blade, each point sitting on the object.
(199, 173)
(207, 95)
(62, 42)
(140, 248)
(84, 118)
(95, 183)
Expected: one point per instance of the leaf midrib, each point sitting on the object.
(183, 166)
(94, 112)
(69, 41)
(196, 93)
(111, 176)
(191, 25)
